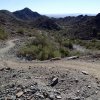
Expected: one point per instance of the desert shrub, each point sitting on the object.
(42, 48)
(20, 31)
(38, 52)
(63, 42)
(94, 44)
(56, 53)
(75, 53)
(89, 44)
(28, 51)
(65, 52)
(3, 34)
(67, 44)
(43, 53)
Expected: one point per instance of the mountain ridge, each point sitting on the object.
(26, 14)
(82, 26)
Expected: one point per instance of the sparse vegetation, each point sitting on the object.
(43, 48)
(32, 36)
(60, 34)
(3, 34)
(20, 31)
(89, 44)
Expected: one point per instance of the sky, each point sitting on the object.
(53, 6)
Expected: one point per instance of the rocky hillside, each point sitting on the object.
(84, 27)
(81, 27)
(25, 19)
(26, 14)
(97, 20)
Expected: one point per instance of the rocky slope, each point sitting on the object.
(26, 14)
(48, 80)
(83, 27)
(36, 84)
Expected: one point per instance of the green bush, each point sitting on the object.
(43, 53)
(20, 31)
(3, 34)
(28, 50)
(68, 44)
(89, 44)
(42, 48)
(56, 53)
(65, 52)
(75, 53)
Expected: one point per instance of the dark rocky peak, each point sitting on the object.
(97, 20)
(97, 17)
(26, 14)
(26, 10)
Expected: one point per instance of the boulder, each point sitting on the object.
(58, 97)
(19, 94)
(54, 81)
(85, 73)
(56, 58)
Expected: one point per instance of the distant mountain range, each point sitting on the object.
(82, 26)
(27, 17)
(65, 15)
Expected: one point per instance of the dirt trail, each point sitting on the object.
(41, 71)
(90, 67)
(10, 44)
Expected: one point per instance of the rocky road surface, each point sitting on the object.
(48, 80)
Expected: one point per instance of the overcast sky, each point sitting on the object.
(54, 6)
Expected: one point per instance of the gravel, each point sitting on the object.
(33, 84)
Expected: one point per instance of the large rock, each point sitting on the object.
(54, 81)
(19, 94)
(58, 97)
(54, 59)
(85, 73)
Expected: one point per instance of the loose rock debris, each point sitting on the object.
(66, 85)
